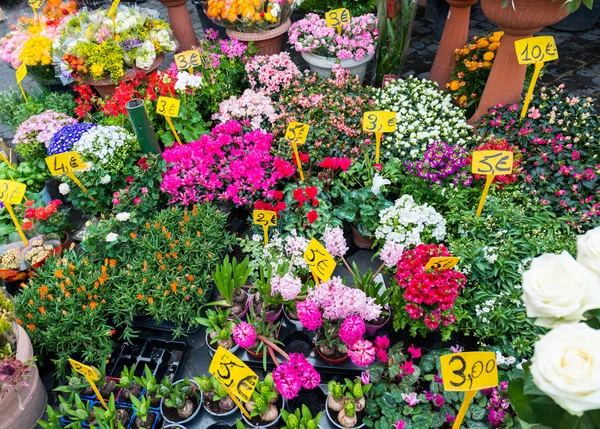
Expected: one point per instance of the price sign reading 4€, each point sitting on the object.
(12, 192)
(319, 260)
(379, 123)
(66, 163)
(266, 218)
(492, 163)
(468, 372)
(90, 375)
(187, 60)
(169, 108)
(296, 134)
(535, 50)
(337, 18)
(442, 263)
(234, 375)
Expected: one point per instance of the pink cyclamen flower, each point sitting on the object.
(362, 353)
(365, 377)
(383, 342)
(438, 400)
(414, 353)
(400, 424)
(407, 368)
(411, 399)
(352, 329)
(244, 335)
(309, 315)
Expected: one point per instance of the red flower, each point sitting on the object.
(30, 213)
(284, 168)
(311, 191)
(280, 206)
(312, 216)
(142, 163)
(299, 196)
(345, 163)
(129, 179)
(303, 157)
(277, 195)
(27, 225)
(28, 203)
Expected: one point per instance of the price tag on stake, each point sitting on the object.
(12, 192)
(266, 218)
(169, 108)
(296, 134)
(442, 263)
(113, 8)
(468, 372)
(535, 50)
(492, 163)
(379, 123)
(35, 4)
(90, 375)
(66, 163)
(337, 18)
(320, 262)
(239, 380)
(20, 74)
(187, 60)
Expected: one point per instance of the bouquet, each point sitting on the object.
(249, 16)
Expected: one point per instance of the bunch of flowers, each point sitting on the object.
(271, 73)
(107, 146)
(362, 352)
(495, 144)
(473, 65)
(13, 374)
(55, 11)
(64, 139)
(333, 107)
(37, 50)
(252, 108)
(425, 297)
(46, 220)
(249, 16)
(559, 162)
(357, 40)
(443, 164)
(425, 115)
(288, 286)
(35, 134)
(295, 374)
(227, 164)
(92, 46)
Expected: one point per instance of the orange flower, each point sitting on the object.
(84, 307)
(157, 225)
(139, 296)
(176, 241)
(42, 310)
(162, 267)
(150, 300)
(93, 305)
(50, 297)
(31, 302)
(174, 287)
(67, 294)
(78, 289)
(96, 285)
(199, 291)
(147, 225)
(159, 256)
(20, 322)
(68, 281)
(31, 326)
(85, 261)
(182, 229)
(29, 316)
(102, 279)
(172, 245)
(82, 287)
(113, 262)
(144, 280)
(103, 301)
(166, 292)
(210, 256)
(187, 243)
(185, 218)
(133, 235)
(43, 291)
(190, 277)
(174, 255)
(64, 312)
(104, 268)
(180, 267)
(198, 233)
(58, 274)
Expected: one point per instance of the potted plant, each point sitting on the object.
(301, 419)
(129, 386)
(38, 250)
(345, 404)
(144, 417)
(79, 411)
(229, 277)
(113, 417)
(322, 47)
(148, 382)
(182, 403)
(53, 419)
(216, 400)
(49, 221)
(266, 404)
(273, 290)
(251, 335)
(219, 330)
(376, 290)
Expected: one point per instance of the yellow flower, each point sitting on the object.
(97, 70)
(487, 64)
(483, 43)
(498, 34)
(494, 39)
(494, 46)
(454, 85)
(488, 56)
(462, 100)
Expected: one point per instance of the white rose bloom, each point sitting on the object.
(588, 250)
(566, 367)
(122, 217)
(64, 189)
(111, 236)
(105, 179)
(378, 182)
(557, 289)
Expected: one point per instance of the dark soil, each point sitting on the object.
(138, 424)
(124, 415)
(298, 342)
(134, 390)
(314, 399)
(172, 415)
(215, 407)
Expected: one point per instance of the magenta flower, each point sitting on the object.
(244, 335)
(365, 377)
(401, 424)
(309, 315)
(414, 353)
(362, 353)
(438, 400)
(352, 329)
(383, 342)
(287, 381)
(407, 368)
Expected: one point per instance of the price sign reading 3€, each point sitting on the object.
(468, 372)
(66, 163)
(442, 263)
(337, 18)
(91, 375)
(169, 108)
(492, 163)
(266, 218)
(296, 134)
(535, 50)
(379, 123)
(187, 60)
(319, 261)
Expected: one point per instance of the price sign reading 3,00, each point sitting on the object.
(233, 373)
(492, 162)
(536, 50)
(319, 260)
(469, 371)
(379, 122)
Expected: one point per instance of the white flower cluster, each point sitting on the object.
(408, 224)
(106, 146)
(482, 310)
(163, 38)
(424, 115)
(254, 106)
(186, 80)
(145, 55)
(489, 254)
(501, 360)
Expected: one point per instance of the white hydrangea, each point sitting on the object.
(186, 80)
(163, 37)
(111, 236)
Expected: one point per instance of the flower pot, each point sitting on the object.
(267, 42)
(582, 19)
(254, 422)
(271, 316)
(332, 416)
(174, 427)
(46, 198)
(293, 322)
(106, 87)
(505, 83)
(334, 361)
(194, 414)
(323, 65)
(181, 23)
(21, 408)
(207, 22)
(360, 241)
(219, 416)
(212, 350)
(373, 328)
(298, 342)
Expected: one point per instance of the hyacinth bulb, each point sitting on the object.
(260, 404)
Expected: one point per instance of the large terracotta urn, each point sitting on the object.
(181, 23)
(455, 35)
(21, 408)
(268, 42)
(506, 79)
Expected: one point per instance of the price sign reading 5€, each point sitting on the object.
(492, 163)
(379, 123)
(442, 263)
(320, 262)
(266, 218)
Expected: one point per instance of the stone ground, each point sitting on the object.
(578, 66)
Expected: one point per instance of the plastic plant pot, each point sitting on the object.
(192, 417)
(212, 350)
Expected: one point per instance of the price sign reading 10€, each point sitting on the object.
(233, 374)
(320, 262)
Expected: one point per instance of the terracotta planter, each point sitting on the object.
(506, 79)
(329, 360)
(455, 35)
(106, 87)
(181, 23)
(360, 241)
(22, 408)
(267, 42)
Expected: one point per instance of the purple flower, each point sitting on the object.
(365, 377)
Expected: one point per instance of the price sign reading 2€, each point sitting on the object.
(337, 18)
(296, 134)
(442, 263)
(468, 372)
(266, 218)
(379, 123)
(320, 262)
(169, 108)
(12, 192)
(66, 163)
(492, 163)
(90, 375)
(187, 60)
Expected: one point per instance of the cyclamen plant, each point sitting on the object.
(271, 73)
(35, 134)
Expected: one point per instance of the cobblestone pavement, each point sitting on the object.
(578, 66)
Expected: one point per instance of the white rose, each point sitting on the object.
(64, 189)
(588, 250)
(111, 236)
(557, 289)
(122, 217)
(105, 179)
(566, 367)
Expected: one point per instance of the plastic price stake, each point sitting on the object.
(266, 218)
(492, 163)
(234, 375)
(296, 134)
(379, 123)
(66, 163)
(319, 261)
(468, 372)
(35, 4)
(113, 8)
(387, 79)
(187, 60)
(21, 73)
(12, 192)
(442, 263)
(535, 50)
(169, 108)
(90, 375)
(337, 18)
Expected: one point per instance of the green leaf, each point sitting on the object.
(422, 420)
(477, 412)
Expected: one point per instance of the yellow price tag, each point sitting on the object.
(113, 7)
(297, 132)
(320, 262)
(12, 192)
(266, 218)
(492, 163)
(539, 49)
(20, 74)
(91, 375)
(379, 123)
(233, 374)
(187, 60)
(442, 263)
(337, 18)
(169, 108)
(66, 163)
(5, 159)
(35, 4)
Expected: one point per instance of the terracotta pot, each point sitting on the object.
(20, 409)
(360, 241)
(505, 83)
(455, 35)
(267, 42)
(181, 23)
(106, 87)
(329, 360)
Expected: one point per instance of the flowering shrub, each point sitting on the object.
(357, 41)
(560, 168)
(443, 164)
(107, 146)
(46, 219)
(35, 134)
(271, 73)
(425, 115)
(227, 164)
(425, 297)
(66, 137)
(333, 107)
(252, 108)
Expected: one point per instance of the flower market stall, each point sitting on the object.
(222, 235)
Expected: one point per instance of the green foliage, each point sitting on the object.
(14, 110)
(147, 381)
(230, 276)
(32, 174)
(300, 419)
(356, 7)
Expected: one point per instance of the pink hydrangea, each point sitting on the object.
(244, 335)
(39, 129)
(335, 243)
(252, 107)
(309, 315)
(362, 353)
(288, 286)
(351, 330)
